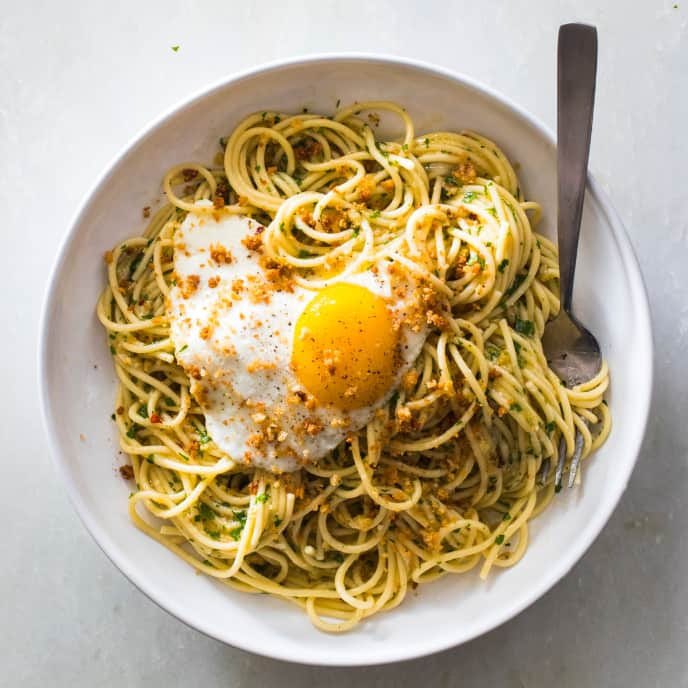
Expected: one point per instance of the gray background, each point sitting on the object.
(77, 81)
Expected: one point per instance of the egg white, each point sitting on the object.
(242, 365)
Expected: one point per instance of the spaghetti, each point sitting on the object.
(449, 474)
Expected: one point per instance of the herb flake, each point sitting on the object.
(205, 512)
(524, 327)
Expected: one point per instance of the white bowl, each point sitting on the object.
(78, 382)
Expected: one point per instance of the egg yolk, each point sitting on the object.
(345, 347)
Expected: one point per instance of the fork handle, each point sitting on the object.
(576, 69)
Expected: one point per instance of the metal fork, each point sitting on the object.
(572, 352)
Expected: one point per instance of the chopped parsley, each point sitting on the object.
(203, 436)
(241, 517)
(492, 211)
(143, 411)
(112, 350)
(405, 147)
(175, 48)
(149, 458)
(277, 521)
(131, 433)
(452, 180)
(515, 407)
(169, 401)
(502, 266)
(305, 254)
(378, 145)
(184, 348)
(262, 498)
(375, 214)
(257, 168)
(506, 517)
(518, 281)
(525, 327)
(357, 231)
(493, 352)
(281, 226)
(499, 539)
(184, 456)
(134, 264)
(469, 196)
(205, 512)
(427, 143)
(519, 358)
(550, 427)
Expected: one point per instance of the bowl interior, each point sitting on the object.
(79, 382)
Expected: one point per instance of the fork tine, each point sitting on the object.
(544, 471)
(560, 465)
(575, 459)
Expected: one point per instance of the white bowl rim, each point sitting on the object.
(449, 637)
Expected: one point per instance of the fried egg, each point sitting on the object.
(283, 373)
